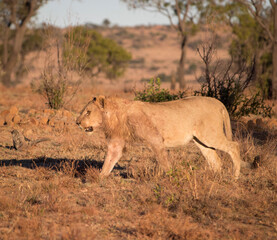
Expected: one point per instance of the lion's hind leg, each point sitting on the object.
(211, 156)
(219, 142)
(230, 147)
(233, 149)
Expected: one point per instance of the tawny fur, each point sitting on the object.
(161, 125)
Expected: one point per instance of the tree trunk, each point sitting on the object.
(9, 69)
(10, 64)
(5, 46)
(181, 67)
(274, 57)
(10, 57)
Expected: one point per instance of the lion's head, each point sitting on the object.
(108, 113)
(91, 116)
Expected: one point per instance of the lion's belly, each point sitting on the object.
(169, 143)
(175, 138)
(174, 127)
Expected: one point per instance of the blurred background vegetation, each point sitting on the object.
(83, 50)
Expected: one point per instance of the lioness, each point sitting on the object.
(167, 124)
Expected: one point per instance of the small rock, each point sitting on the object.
(34, 121)
(14, 110)
(28, 133)
(9, 118)
(4, 113)
(43, 120)
(16, 119)
(18, 140)
(51, 122)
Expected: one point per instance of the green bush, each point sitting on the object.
(101, 54)
(154, 93)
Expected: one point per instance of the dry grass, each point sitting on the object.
(54, 191)
(187, 203)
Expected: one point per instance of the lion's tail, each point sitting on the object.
(227, 124)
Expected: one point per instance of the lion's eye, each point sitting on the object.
(88, 113)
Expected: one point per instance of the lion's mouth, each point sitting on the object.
(89, 129)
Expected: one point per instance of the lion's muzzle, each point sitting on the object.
(87, 129)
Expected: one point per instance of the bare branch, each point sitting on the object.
(164, 11)
(178, 11)
(186, 11)
(256, 15)
(31, 11)
(272, 3)
(13, 14)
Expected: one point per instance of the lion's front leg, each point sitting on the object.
(115, 148)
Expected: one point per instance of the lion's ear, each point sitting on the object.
(100, 101)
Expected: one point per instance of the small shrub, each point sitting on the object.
(56, 84)
(254, 105)
(53, 89)
(228, 85)
(154, 93)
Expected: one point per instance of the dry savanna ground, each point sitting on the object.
(52, 189)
